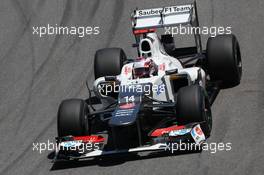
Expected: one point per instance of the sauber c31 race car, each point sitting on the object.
(163, 96)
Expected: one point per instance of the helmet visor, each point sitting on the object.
(141, 72)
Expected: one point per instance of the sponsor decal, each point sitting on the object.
(161, 88)
(127, 106)
(149, 12)
(92, 139)
(161, 131)
(179, 132)
(199, 131)
(165, 10)
(177, 9)
(127, 70)
(142, 31)
(197, 134)
(124, 112)
(69, 144)
(162, 67)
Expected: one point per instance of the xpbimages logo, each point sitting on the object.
(80, 147)
(106, 89)
(211, 147)
(80, 31)
(190, 30)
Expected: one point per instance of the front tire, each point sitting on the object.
(193, 106)
(73, 118)
(108, 62)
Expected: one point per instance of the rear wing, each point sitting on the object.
(164, 17)
(147, 20)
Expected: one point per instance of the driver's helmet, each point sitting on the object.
(144, 68)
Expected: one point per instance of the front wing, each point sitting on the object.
(71, 148)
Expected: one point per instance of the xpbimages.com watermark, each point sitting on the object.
(105, 89)
(80, 147)
(80, 31)
(211, 147)
(190, 30)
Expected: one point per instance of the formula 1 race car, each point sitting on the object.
(163, 96)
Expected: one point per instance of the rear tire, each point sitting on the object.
(224, 60)
(193, 106)
(108, 62)
(73, 118)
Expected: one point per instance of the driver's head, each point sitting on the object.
(144, 68)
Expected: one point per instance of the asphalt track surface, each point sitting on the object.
(37, 73)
